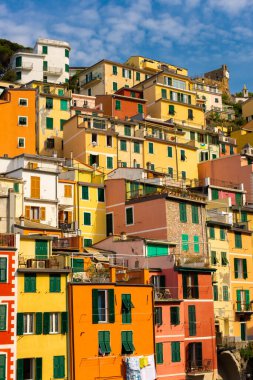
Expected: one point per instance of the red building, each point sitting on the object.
(7, 306)
(124, 103)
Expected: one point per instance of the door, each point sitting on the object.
(243, 331)
(109, 224)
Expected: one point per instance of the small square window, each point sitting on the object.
(66, 53)
(23, 102)
(50, 143)
(23, 120)
(21, 142)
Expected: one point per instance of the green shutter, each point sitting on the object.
(77, 265)
(55, 283)
(127, 130)
(87, 242)
(174, 315)
(238, 300)
(101, 195)
(215, 194)
(159, 353)
(30, 282)
(123, 145)
(225, 293)
(169, 151)
(3, 269)
(3, 367)
(170, 172)
(140, 108)
(18, 61)
(66, 68)
(104, 342)
(215, 293)
(3, 312)
(150, 148)
(16, 187)
(66, 53)
(46, 323)
(185, 292)
(222, 233)
(196, 285)
(59, 367)
(236, 268)
(114, 86)
(64, 322)
(182, 212)
(171, 107)
(129, 215)
(85, 192)
(224, 260)
(41, 249)
(87, 218)
(182, 155)
(45, 66)
(247, 299)
(38, 329)
(158, 316)
(238, 199)
(185, 244)
(196, 243)
(62, 121)
(94, 306)
(109, 162)
(64, 105)
(117, 104)
(192, 320)
(114, 70)
(238, 240)
(44, 49)
(20, 323)
(244, 216)
(38, 368)
(49, 123)
(164, 93)
(111, 305)
(49, 103)
(195, 214)
(213, 258)
(244, 266)
(136, 147)
(138, 76)
(20, 369)
(126, 308)
(211, 233)
(175, 352)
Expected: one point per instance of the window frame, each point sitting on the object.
(54, 323)
(28, 323)
(132, 216)
(23, 105)
(4, 321)
(26, 121)
(4, 269)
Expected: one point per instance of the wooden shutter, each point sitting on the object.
(55, 283)
(198, 354)
(215, 292)
(192, 320)
(67, 191)
(244, 265)
(64, 322)
(182, 212)
(3, 311)
(111, 305)
(38, 324)
(69, 216)
(20, 323)
(30, 282)
(38, 368)
(3, 269)
(94, 306)
(3, 367)
(185, 292)
(59, 367)
(20, 369)
(35, 187)
(247, 299)
(27, 212)
(46, 323)
(61, 216)
(238, 300)
(159, 353)
(236, 267)
(42, 213)
(174, 315)
(195, 214)
(196, 286)
(196, 243)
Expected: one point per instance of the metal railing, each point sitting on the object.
(243, 306)
(192, 261)
(54, 262)
(198, 366)
(67, 226)
(165, 294)
(54, 70)
(67, 243)
(7, 240)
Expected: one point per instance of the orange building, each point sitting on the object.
(111, 330)
(17, 122)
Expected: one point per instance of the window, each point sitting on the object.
(215, 194)
(85, 192)
(28, 323)
(203, 156)
(183, 174)
(238, 199)
(49, 123)
(89, 91)
(3, 374)
(175, 352)
(3, 314)
(171, 109)
(35, 187)
(164, 93)
(50, 143)
(150, 148)
(190, 285)
(190, 114)
(45, 66)
(240, 268)
(30, 282)
(136, 147)
(155, 250)
(49, 103)
(158, 316)
(44, 49)
(109, 162)
(103, 308)
(231, 150)
(159, 353)
(67, 191)
(123, 145)
(3, 269)
(126, 73)
(182, 155)
(225, 293)
(224, 260)
(23, 121)
(174, 315)
(16, 187)
(195, 214)
(170, 172)
(101, 195)
(127, 342)
(127, 306)
(214, 260)
(66, 53)
(23, 102)
(87, 218)
(117, 105)
(109, 224)
(192, 320)
(18, 75)
(244, 216)
(87, 242)
(222, 233)
(138, 76)
(192, 136)
(54, 327)
(194, 355)
(140, 108)
(129, 215)
(28, 368)
(114, 86)
(216, 100)
(238, 240)
(66, 68)
(114, 70)
(64, 105)
(169, 151)
(215, 293)
(196, 243)
(54, 283)
(127, 130)
(59, 367)
(223, 148)
(44, 78)
(104, 342)
(77, 265)
(185, 243)
(109, 141)
(168, 81)
(18, 61)
(211, 233)
(182, 212)
(243, 300)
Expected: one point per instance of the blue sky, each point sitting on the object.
(200, 35)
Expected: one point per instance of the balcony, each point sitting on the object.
(25, 66)
(241, 226)
(198, 367)
(243, 307)
(150, 65)
(32, 263)
(67, 227)
(68, 243)
(7, 240)
(220, 217)
(165, 294)
(94, 79)
(57, 71)
(192, 261)
(226, 139)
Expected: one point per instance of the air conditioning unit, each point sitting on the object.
(40, 264)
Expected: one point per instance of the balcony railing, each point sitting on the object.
(67, 226)
(192, 261)
(195, 367)
(54, 262)
(67, 243)
(96, 77)
(214, 216)
(243, 307)
(241, 225)
(7, 240)
(54, 70)
(226, 139)
(165, 294)
(26, 66)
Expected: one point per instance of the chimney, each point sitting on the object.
(22, 220)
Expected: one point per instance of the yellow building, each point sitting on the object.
(149, 64)
(53, 109)
(89, 208)
(106, 77)
(42, 322)
(92, 141)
